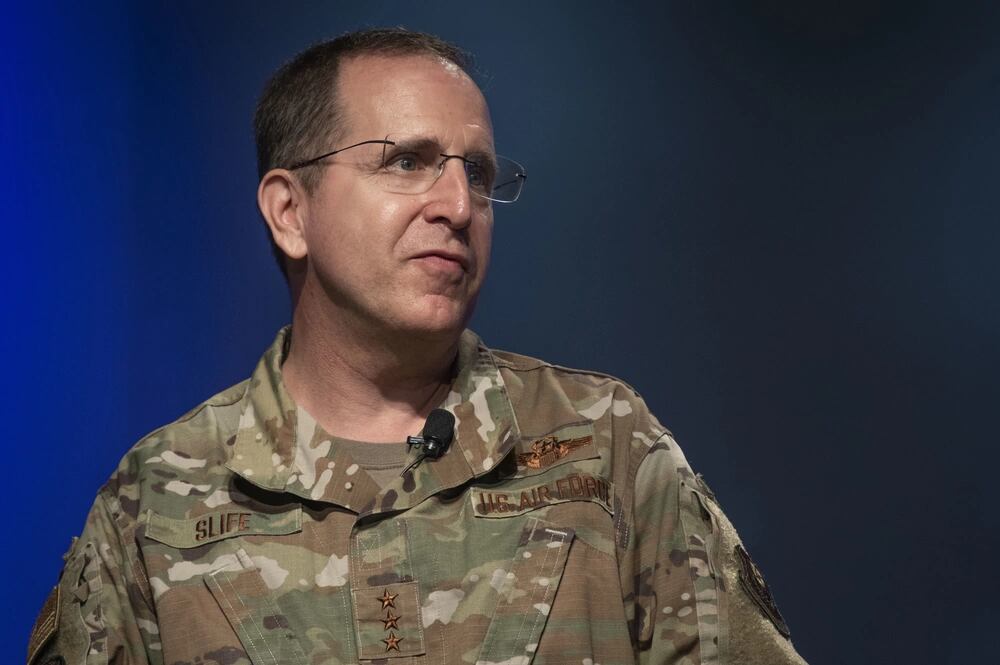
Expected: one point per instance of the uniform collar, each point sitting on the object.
(279, 447)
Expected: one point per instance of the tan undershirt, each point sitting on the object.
(382, 461)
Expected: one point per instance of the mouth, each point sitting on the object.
(444, 258)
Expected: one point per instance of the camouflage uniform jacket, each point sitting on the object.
(562, 526)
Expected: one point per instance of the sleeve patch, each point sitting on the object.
(753, 583)
(45, 625)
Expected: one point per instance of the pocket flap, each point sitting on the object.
(210, 527)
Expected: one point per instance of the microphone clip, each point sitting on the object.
(433, 441)
(430, 446)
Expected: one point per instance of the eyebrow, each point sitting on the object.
(422, 143)
(419, 143)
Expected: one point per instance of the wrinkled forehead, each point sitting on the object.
(415, 96)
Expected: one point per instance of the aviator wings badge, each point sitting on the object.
(548, 449)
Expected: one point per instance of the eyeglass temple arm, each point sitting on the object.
(307, 162)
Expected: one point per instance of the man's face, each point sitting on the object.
(402, 262)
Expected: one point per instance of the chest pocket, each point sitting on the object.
(252, 612)
(526, 593)
(192, 629)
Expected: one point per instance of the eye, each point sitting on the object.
(475, 175)
(479, 175)
(404, 162)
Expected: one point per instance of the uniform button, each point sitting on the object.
(348, 486)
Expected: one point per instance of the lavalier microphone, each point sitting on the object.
(439, 430)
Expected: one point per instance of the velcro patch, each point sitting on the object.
(571, 487)
(752, 581)
(388, 621)
(45, 626)
(210, 527)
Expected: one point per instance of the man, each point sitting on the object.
(284, 521)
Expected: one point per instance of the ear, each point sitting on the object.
(280, 197)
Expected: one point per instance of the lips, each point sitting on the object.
(460, 259)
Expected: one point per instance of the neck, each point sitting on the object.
(365, 385)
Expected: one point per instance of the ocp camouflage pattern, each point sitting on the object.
(562, 526)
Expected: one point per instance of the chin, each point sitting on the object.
(437, 315)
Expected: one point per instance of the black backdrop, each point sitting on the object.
(776, 219)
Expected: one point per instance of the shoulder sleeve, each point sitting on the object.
(101, 611)
(699, 598)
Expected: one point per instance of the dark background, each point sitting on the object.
(777, 220)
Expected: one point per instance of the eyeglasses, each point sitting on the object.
(412, 164)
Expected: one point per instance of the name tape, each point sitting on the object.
(571, 487)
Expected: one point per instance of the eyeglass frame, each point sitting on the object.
(309, 162)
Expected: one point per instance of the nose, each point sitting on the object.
(449, 198)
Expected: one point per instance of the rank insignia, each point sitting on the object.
(390, 620)
(752, 581)
(549, 449)
(392, 642)
(387, 599)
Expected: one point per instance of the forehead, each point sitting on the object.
(421, 94)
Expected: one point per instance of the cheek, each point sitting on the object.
(401, 209)
(482, 240)
(392, 222)
(359, 227)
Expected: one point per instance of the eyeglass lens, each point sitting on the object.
(412, 164)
